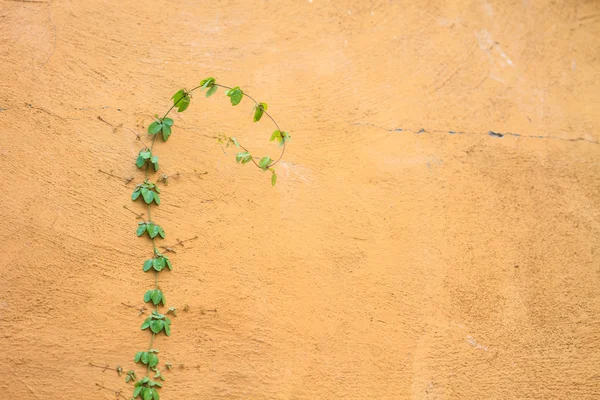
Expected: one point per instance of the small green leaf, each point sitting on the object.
(152, 360)
(211, 90)
(155, 394)
(208, 82)
(235, 95)
(152, 229)
(148, 294)
(183, 105)
(168, 327)
(273, 179)
(154, 159)
(178, 96)
(154, 128)
(145, 357)
(145, 154)
(136, 193)
(169, 263)
(166, 131)
(148, 195)
(138, 356)
(160, 264)
(148, 394)
(264, 163)
(137, 391)
(167, 121)
(259, 110)
(141, 229)
(163, 299)
(140, 161)
(161, 232)
(275, 135)
(147, 266)
(157, 326)
(258, 113)
(156, 297)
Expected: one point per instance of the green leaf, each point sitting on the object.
(169, 263)
(147, 266)
(211, 91)
(145, 357)
(166, 132)
(148, 294)
(259, 110)
(275, 135)
(138, 356)
(157, 326)
(148, 195)
(167, 121)
(140, 161)
(156, 198)
(154, 159)
(182, 105)
(161, 232)
(156, 297)
(152, 229)
(235, 95)
(168, 327)
(239, 157)
(141, 229)
(273, 179)
(178, 96)
(163, 299)
(264, 163)
(155, 394)
(152, 360)
(137, 391)
(160, 264)
(208, 82)
(154, 128)
(136, 193)
(145, 154)
(148, 394)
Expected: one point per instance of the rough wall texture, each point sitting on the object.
(386, 264)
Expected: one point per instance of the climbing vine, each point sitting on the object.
(157, 323)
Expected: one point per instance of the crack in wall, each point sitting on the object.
(488, 133)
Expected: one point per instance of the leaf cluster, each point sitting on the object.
(151, 228)
(149, 192)
(161, 125)
(145, 389)
(158, 263)
(157, 322)
(149, 358)
(145, 156)
(156, 296)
